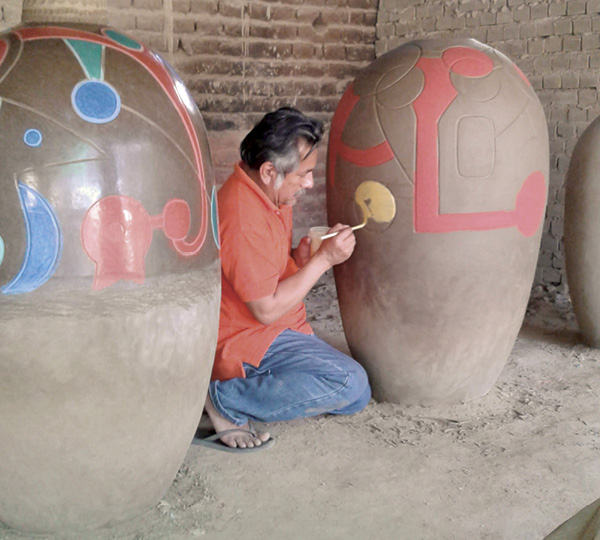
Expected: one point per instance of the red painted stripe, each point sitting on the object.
(370, 157)
(437, 95)
(3, 50)
(367, 157)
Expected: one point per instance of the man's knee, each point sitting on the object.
(357, 391)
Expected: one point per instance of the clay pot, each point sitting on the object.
(582, 242)
(109, 277)
(452, 138)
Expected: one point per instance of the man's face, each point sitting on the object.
(298, 180)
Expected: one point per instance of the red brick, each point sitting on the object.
(286, 69)
(117, 4)
(354, 35)
(308, 33)
(199, 46)
(283, 13)
(226, 87)
(360, 53)
(208, 28)
(273, 31)
(153, 23)
(259, 12)
(363, 4)
(191, 46)
(233, 29)
(181, 6)
(122, 20)
(214, 66)
(148, 4)
(156, 42)
(204, 6)
(230, 9)
(303, 50)
(307, 15)
(357, 17)
(183, 25)
(337, 16)
(334, 51)
(309, 104)
(264, 49)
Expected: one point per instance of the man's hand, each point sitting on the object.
(293, 289)
(301, 254)
(338, 248)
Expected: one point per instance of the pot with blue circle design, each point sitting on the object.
(109, 276)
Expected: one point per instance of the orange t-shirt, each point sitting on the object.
(256, 243)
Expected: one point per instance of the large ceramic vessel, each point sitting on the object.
(582, 241)
(109, 276)
(443, 148)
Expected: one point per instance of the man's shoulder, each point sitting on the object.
(238, 204)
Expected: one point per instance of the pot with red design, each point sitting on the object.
(453, 137)
(109, 276)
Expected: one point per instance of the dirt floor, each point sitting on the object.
(512, 465)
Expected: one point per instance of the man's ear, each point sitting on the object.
(268, 173)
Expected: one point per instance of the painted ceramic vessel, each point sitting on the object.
(582, 242)
(442, 147)
(109, 276)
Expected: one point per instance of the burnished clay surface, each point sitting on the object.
(582, 241)
(109, 276)
(433, 299)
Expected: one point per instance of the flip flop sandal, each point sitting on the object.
(214, 441)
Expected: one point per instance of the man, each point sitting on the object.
(269, 365)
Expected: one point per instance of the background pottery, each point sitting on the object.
(582, 241)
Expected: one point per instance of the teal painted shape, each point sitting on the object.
(214, 207)
(122, 39)
(90, 57)
(44, 243)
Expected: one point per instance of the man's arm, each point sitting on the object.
(301, 254)
(293, 289)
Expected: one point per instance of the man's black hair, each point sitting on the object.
(275, 138)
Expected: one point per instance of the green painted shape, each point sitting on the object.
(89, 55)
(124, 40)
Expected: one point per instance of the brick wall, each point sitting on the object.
(556, 43)
(10, 13)
(88, 11)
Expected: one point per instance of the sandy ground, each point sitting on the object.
(512, 465)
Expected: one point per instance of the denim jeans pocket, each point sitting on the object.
(252, 371)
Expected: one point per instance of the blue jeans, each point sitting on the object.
(299, 376)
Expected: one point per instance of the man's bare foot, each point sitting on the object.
(235, 440)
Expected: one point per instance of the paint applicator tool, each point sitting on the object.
(375, 201)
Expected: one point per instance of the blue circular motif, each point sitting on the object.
(33, 137)
(96, 101)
